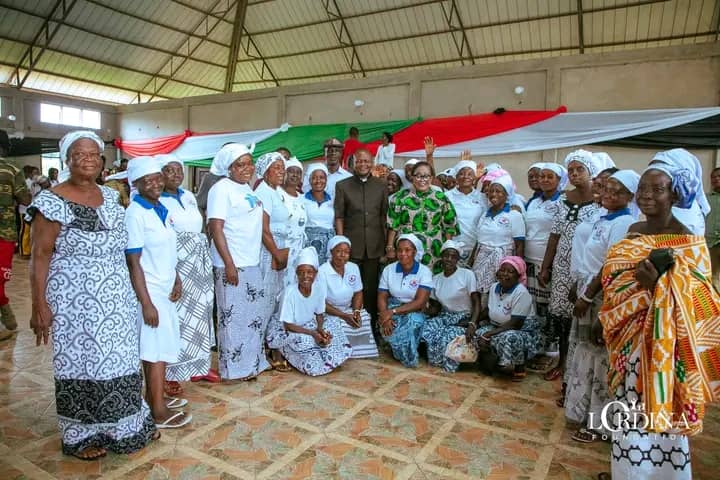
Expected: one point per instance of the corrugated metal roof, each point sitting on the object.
(179, 48)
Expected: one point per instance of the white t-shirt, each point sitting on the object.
(319, 216)
(503, 306)
(184, 211)
(238, 206)
(332, 179)
(605, 232)
(404, 287)
(300, 310)
(539, 216)
(155, 240)
(453, 292)
(468, 208)
(273, 205)
(385, 155)
(339, 290)
(502, 229)
(691, 217)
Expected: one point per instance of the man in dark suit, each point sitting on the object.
(361, 205)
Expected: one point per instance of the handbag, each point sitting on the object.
(460, 351)
(662, 259)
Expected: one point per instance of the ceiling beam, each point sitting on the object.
(156, 23)
(108, 64)
(238, 26)
(114, 39)
(173, 69)
(42, 39)
(85, 80)
(343, 36)
(709, 33)
(251, 50)
(467, 28)
(455, 23)
(581, 27)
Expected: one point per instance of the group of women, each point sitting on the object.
(569, 269)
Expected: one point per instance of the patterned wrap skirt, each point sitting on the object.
(487, 262)
(438, 332)
(361, 339)
(195, 308)
(405, 337)
(319, 237)
(243, 314)
(303, 353)
(513, 347)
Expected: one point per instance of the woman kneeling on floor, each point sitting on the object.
(507, 334)
(315, 344)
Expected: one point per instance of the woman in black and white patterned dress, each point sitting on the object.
(81, 287)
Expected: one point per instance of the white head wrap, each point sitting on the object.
(293, 162)
(316, 166)
(466, 164)
(493, 166)
(603, 161)
(412, 161)
(265, 160)
(226, 156)
(420, 250)
(539, 165)
(335, 241)
(165, 158)
(506, 182)
(117, 176)
(139, 167)
(684, 164)
(448, 172)
(72, 137)
(558, 170)
(452, 244)
(630, 180)
(586, 158)
(308, 256)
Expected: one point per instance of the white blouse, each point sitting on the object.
(319, 215)
(340, 290)
(454, 292)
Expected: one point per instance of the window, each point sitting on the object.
(71, 116)
(50, 160)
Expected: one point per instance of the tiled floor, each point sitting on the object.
(367, 420)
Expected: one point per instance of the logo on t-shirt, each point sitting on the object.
(507, 309)
(252, 200)
(352, 279)
(414, 283)
(503, 221)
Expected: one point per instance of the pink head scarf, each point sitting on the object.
(519, 265)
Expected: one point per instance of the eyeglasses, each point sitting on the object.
(422, 177)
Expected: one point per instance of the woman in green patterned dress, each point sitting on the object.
(425, 212)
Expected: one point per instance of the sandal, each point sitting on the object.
(168, 423)
(280, 365)
(540, 364)
(583, 435)
(553, 374)
(173, 389)
(90, 453)
(173, 403)
(604, 476)
(518, 376)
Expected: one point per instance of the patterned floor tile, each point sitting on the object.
(503, 410)
(8, 472)
(312, 403)
(22, 387)
(705, 457)
(177, 465)
(48, 456)
(27, 423)
(433, 393)
(598, 448)
(251, 441)
(571, 466)
(391, 427)
(337, 460)
(363, 376)
(533, 386)
(265, 384)
(481, 453)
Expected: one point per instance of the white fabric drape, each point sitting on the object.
(201, 147)
(573, 129)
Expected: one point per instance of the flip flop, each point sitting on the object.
(280, 365)
(518, 376)
(167, 424)
(102, 453)
(553, 374)
(174, 403)
(583, 435)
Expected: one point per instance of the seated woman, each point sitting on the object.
(507, 335)
(404, 290)
(314, 345)
(454, 303)
(344, 297)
